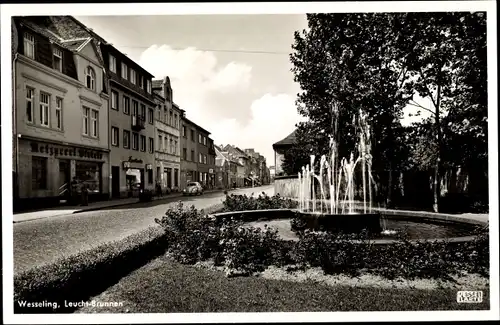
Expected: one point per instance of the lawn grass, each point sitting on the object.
(165, 286)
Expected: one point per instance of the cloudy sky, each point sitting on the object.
(231, 73)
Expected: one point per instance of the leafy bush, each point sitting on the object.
(88, 273)
(235, 202)
(195, 237)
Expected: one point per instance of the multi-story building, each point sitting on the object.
(131, 113)
(168, 142)
(244, 170)
(132, 125)
(61, 113)
(198, 155)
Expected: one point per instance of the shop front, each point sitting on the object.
(48, 171)
(137, 176)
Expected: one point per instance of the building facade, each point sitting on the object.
(280, 148)
(61, 117)
(198, 155)
(131, 124)
(167, 135)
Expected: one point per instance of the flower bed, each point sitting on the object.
(195, 237)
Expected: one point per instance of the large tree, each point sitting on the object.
(376, 63)
(346, 63)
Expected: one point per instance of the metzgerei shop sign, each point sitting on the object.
(65, 151)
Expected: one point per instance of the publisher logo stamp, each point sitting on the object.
(472, 297)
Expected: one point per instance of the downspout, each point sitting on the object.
(14, 123)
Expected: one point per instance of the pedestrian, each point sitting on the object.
(85, 195)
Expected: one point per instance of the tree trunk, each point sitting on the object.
(389, 187)
(437, 183)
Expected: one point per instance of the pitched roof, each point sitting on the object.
(287, 141)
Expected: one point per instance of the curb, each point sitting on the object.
(177, 195)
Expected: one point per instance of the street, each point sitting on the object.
(41, 241)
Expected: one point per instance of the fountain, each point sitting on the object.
(334, 207)
(340, 211)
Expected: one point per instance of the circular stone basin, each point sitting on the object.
(415, 225)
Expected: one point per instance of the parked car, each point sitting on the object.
(193, 188)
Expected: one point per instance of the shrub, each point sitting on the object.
(235, 202)
(194, 236)
(79, 277)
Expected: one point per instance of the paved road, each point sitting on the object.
(41, 241)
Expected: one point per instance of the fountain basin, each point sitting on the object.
(346, 223)
(421, 226)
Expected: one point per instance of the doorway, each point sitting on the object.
(115, 181)
(64, 179)
(142, 179)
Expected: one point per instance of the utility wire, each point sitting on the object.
(206, 49)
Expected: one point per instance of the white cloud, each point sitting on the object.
(198, 81)
(273, 118)
(196, 77)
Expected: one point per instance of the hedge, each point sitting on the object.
(85, 274)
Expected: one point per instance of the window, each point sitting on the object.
(171, 119)
(133, 76)
(205, 159)
(126, 139)
(112, 63)
(143, 143)
(151, 145)
(160, 142)
(141, 82)
(192, 135)
(126, 105)
(86, 111)
(184, 131)
(200, 158)
(148, 83)
(184, 153)
(38, 173)
(175, 121)
(172, 149)
(199, 138)
(135, 141)
(114, 100)
(29, 45)
(90, 78)
(135, 108)
(94, 118)
(29, 104)
(143, 111)
(124, 71)
(114, 136)
(44, 109)
(150, 115)
(192, 155)
(205, 140)
(175, 147)
(57, 59)
(59, 106)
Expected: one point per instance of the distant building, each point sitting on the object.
(198, 155)
(168, 143)
(60, 114)
(280, 148)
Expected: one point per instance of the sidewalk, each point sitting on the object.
(64, 210)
